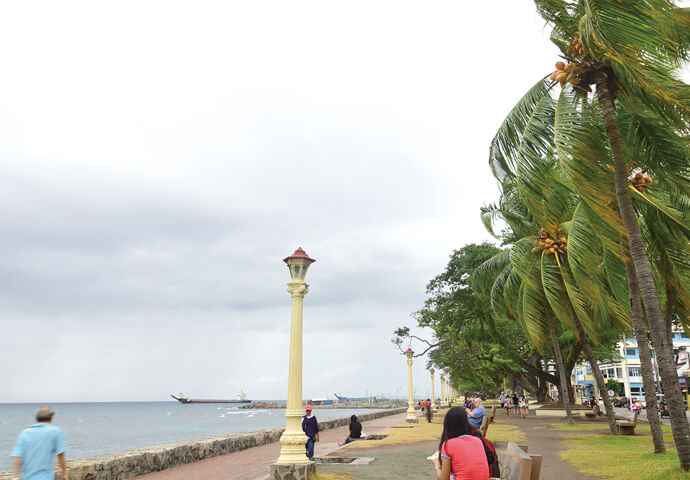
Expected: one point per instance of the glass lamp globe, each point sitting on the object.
(298, 264)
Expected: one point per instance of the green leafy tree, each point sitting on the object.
(615, 386)
(480, 350)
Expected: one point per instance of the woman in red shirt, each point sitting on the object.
(461, 454)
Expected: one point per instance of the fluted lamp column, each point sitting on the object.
(443, 390)
(293, 439)
(433, 396)
(447, 387)
(411, 414)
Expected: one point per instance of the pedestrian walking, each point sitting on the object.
(522, 403)
(310, 426)
(508, 405)
(429, 412)
(502, 399)
(36, 448)
(515, 401)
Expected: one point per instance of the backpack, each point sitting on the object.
(491, 456)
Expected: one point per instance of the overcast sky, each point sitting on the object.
(159, 159)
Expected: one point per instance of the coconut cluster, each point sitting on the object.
(640, 181)
(576, 49)
(549, 244)
(566, 73)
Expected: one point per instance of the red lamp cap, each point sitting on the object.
(432, 370)
(409, 350)
(299, 253)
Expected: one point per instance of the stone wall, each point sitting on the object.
(132, 463)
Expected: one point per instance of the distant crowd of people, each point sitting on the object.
(518, 404)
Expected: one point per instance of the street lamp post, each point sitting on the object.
(293, 459)
(433, 397)
(448, 388)
(443, 389)
(411, 415)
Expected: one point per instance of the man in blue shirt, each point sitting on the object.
(476, 415)
(36, 447)
(310, 426)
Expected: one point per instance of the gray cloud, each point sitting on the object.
(147, 196)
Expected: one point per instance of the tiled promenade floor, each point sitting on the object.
(255, 463)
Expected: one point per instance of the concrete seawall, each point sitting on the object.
(132, 463)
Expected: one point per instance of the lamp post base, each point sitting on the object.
(411, 414)
(293, 449)
(302, 471)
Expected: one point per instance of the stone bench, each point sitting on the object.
(626, 427)
(592, 415)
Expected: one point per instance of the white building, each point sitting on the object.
(626, 367)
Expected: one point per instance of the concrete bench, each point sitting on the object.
(517, 464)
(626, 427)
(593, 414)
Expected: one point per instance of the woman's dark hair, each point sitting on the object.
(353, 418)
(454, 424)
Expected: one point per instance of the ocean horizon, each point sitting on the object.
(98, 428)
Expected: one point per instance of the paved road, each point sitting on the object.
(624, 412)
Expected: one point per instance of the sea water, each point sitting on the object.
(99, 428)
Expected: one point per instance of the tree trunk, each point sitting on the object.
(563, 376)
(645, 360)
(542, 393)
(529, 383)
(643, 271)
(668, 314)
(569, 365)
(598, 377)
(571, 393)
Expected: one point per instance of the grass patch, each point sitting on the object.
(421, 432)
(581, 426)
(616, 457)
(642, 428)
(331, 476)
(505, 433)
(426, 432)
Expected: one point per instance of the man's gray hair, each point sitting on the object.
(44, 414)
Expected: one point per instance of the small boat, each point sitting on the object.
(241, 398)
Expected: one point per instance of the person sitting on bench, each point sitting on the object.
(476, 416)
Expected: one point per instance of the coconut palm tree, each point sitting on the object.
(632, 52)
(539, 284)
(521, 158)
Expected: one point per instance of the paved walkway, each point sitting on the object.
(547, 442)
(255, 463)
(408, 461)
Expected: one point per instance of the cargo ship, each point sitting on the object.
(241, 398)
